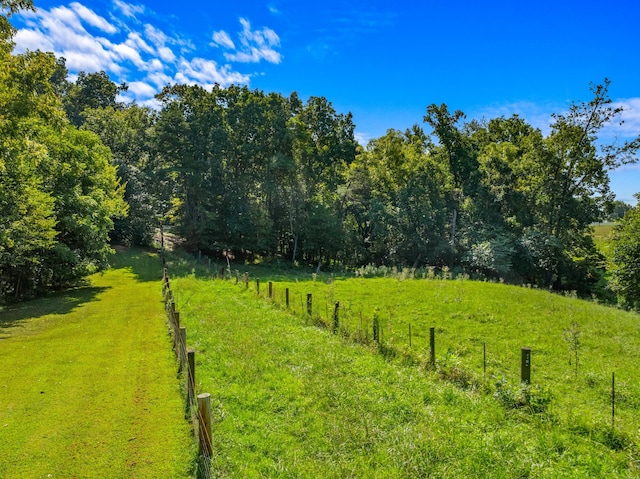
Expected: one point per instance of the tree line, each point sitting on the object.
(241, 172)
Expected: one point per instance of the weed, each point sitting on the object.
(450, 369)
(533, 398)
(572, 336)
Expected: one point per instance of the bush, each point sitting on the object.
(625, 259)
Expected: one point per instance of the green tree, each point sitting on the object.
(8, 8)
(128, 132)
(625, 258)
(57, 190)
(571, 182)
(323, 148)
(189, 141)
(618, 210)
(91, 90)
(88, 196)
(456, 152)
(397, 199)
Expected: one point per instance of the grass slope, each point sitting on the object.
(468, 315)
(87, 382)
(293, 400)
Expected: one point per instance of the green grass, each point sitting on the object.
(601, 237)
(294, 400)
(88, 383)
(468, 315)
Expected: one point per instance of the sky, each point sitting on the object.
(384, 62)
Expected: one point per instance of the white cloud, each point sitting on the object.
(126, 53)
(222, 39)
(92, 18)
(630, 117)
(159, 79)
(362, 138)
(61, 17)
(127, 9)
(157, 37)
(142, 89)
(33, 40)
(166, 54)
(207, 73)
(256, 45)
(154, 65)
(135, 40)
(139, 52)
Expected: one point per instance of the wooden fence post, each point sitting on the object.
(525, 366)
(270, 290)
(309, 304)
(484, 360)
(286, 295)
(191, 376)
(376, 328)
(613, 400)
(336, 319)
(183, 347)
(432, 344)
(258, 286)
(204, 422)
(176, 333)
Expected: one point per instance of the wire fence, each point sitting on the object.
(198, 407)
(351, 325)
(340, 318)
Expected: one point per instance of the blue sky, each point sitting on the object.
(382, 61)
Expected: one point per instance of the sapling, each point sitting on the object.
(572, 336)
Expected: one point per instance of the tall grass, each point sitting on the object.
(295, 400)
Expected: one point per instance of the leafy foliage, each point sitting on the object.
(625, 259)
(258, 175)
(58, 190)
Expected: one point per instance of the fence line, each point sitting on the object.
(334, 322)
(198, 408)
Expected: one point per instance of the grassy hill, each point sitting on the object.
(601, 236)
(295, 400)
(88, 383)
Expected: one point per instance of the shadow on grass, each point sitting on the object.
(143, 263)
(55, 303)
(181, 264)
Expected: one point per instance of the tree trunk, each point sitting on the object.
(452, 234)
(295, 248)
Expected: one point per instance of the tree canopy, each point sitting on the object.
(58, 189)
(262, 175)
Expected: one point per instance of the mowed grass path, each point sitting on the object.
(88, 384)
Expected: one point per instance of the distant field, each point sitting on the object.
(88, 383)
(294, 400)
(601, 235)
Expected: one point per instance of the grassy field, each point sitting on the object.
(88, 383)
(601, 236)
(291, 399)
(470, 316)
